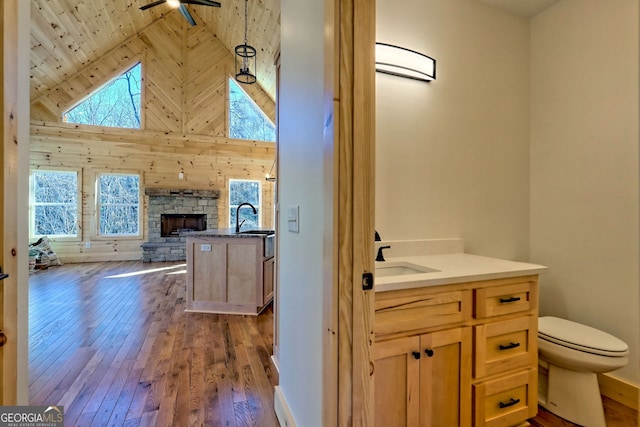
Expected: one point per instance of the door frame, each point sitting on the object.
(353, 74)
(15, 42)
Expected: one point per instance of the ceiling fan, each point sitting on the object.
(180, 5)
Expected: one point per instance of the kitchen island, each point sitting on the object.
(229, 272)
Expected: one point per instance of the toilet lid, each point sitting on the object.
(580, 337)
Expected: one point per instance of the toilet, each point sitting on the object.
(570, 357)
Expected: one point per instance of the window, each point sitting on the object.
(246, 119)
(118, 205)
(54, 203)
(116, 104)
(244, 191)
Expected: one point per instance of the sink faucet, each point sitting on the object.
(380, 257)
(238, 225)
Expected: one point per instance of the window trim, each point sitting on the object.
(140, 234)
(32, 212)
(230, 206)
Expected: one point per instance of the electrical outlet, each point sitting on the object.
(181, 175)
(205, 248)
(87, 245)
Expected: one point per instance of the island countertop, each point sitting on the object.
(451, 268)
(230, 232)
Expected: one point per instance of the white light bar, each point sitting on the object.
(402, 62)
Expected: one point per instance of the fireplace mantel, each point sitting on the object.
(158, 192)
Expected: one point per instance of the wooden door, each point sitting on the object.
(445, 378)
(396, 382)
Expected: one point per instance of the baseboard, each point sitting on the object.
(282, 409)
(619, 390)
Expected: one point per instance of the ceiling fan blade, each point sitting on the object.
(183, 10)
(155, 3)
(203, 2)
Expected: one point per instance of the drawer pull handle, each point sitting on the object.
(509, 403)
(511, 299)
(429, 352)
(416, 354)
(509, 346)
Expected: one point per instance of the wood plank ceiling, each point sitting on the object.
(68, 35)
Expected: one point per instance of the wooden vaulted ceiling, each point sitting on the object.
(68, 35)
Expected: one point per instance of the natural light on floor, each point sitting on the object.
(152, 270)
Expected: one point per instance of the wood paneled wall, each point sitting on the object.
(185, 109)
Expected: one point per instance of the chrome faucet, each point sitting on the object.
(238, 225)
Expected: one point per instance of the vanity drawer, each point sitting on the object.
(506, 401)
(507, 298)
(505, 346)
(416, 309)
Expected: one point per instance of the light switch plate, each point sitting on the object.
(293, 219)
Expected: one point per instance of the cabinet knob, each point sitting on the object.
(3, 338)
(429, 352)
(416, 354)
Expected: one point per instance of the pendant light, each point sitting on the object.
(245, 56)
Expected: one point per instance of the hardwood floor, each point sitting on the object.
(112, 344)
(616, 414)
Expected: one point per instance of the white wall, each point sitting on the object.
(301, 183)
(584, 174)
(453, 155)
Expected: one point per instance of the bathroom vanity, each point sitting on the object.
(229, 272)
(455, 341)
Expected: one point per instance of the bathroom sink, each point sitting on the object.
(267, 232)
(389, 269)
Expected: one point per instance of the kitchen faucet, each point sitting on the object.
(238, 225)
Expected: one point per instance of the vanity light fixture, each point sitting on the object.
(403, 62)
(245, 56)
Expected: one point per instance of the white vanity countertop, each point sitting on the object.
(452, 268)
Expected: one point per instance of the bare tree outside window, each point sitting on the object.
(54, 203)
(119, 205)
(246, 119)
(116, 104)
(241, 191)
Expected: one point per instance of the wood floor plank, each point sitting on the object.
(116, 347)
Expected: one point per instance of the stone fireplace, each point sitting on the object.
(170, 212)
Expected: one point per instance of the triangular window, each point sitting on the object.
(116, 104)
(246, 119)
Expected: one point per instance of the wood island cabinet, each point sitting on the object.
(457, 355)
(228, 274)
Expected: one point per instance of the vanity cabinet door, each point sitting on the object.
(396, 382)
(424, 380)
(445, 378)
